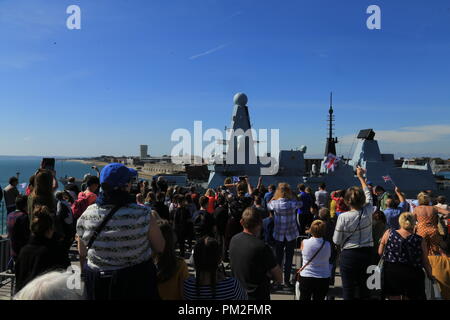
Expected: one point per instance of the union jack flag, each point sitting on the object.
(387, 178)
(331, 161)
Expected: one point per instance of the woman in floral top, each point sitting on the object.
(404, 254)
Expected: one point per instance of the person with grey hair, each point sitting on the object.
(54, 285)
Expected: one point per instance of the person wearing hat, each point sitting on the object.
(116, 238)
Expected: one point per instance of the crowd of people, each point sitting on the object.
(133, 241)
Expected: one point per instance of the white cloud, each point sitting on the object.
(209, 51)
(237, 13)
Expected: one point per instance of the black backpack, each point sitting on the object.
(199, 222)
(238, 205)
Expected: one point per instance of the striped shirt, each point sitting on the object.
(285, 219)
(227, 289)
(355, 233)
(122, 243)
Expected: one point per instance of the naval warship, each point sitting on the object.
(289, 165)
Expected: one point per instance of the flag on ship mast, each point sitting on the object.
(331, 161)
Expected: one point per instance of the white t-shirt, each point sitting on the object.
(320, 266)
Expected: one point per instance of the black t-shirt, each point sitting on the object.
(40, 255)
(221, 217)
(251, 259)
(72, 187)
(238, 205)
(203, 224)
(182, 217)
(162, 210)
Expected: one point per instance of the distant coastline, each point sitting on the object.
(99, 164)
(88, 162)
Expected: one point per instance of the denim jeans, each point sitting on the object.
(353, 268)
(285, 249)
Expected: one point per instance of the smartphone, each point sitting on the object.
(48, 163)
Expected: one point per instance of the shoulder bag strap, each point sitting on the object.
(101, 226)
(312, 258)
(351, 234)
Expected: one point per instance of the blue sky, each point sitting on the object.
(139, 69)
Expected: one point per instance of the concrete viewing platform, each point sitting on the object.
(285, 293)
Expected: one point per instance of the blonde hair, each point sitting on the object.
(424, 199)
(209, 193)
(50, 286)
(324, 213)
(355, 198)
(407, 221)
(283, 191)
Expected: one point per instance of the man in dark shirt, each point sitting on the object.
(304, 215)
(221, 219)
(252, 261)
(267, 230)
(160, 207)
(204, 222)
(257, 203)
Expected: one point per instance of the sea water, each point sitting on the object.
(446, 174)
(26, 167)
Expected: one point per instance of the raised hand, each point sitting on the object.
(360, 172)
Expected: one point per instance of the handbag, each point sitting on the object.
(297, 274)
(432, 290)
(379, 270)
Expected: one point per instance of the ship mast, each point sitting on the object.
(331, 142)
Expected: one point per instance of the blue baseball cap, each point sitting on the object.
(117, 175)
(369, 183)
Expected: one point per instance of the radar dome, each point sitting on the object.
(240, 99)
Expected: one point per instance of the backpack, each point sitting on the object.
(80, 205)
(198, 221)
(238, 206)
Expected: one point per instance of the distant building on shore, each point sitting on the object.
(144, 151)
